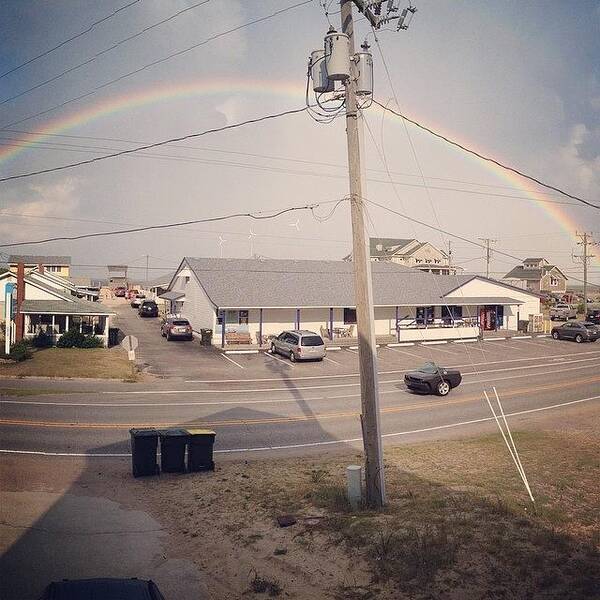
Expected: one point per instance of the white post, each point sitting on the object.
(106, 330)
(354, 481)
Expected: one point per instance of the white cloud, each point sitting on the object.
(586, 169)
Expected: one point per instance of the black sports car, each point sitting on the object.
(433, 379)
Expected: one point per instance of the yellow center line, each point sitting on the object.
(317, 416)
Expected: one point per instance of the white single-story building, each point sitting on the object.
(254, 298)
(54, 309)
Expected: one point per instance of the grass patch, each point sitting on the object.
(72, 362)
(262, 585)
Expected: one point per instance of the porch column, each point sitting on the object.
(106, 330)
(397, 326)
(222, 328)
(496, 318)
(331, 324)
(66, 323)
(297, 318)
(260, 326)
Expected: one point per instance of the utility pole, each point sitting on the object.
(585, 259)
(147, 257)
(449, 257)
(488, 254)
(363, 291)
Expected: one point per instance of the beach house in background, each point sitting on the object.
(411, 253)
(250, 300)
(59, 265)
(538, 275)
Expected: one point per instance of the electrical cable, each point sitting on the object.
(102, 52)
(160, 61)
(89, 28)
(486, 158)
(156, 144)
(258, 216)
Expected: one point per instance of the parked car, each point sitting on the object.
(593, 316)
(131, 294)
(120, 292)
(563, 312)
(93, 589)
(137, 301)
(580, 331)
(176, 328)
(148, 308)
(433, 379)
(299, 345)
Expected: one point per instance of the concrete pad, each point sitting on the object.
(48, 536)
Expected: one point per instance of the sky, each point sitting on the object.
(516, 81)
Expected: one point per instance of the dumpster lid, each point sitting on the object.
(143, 432)
(195, 431)
(172, 432)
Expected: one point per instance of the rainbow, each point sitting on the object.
(247, 87)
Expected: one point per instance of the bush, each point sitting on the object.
(42, 340)
(74, 339)
(20, 351)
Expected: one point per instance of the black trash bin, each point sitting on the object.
(143, 451)
(172, 450)
(206, 337)
(200, 450)
(113, 336)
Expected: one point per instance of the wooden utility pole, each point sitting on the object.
(147, 257)
(584, 258)
(488, 254)
(370, 417)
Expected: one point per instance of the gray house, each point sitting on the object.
(538, 275)
(258, 298)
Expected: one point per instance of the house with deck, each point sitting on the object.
(538, 275)
(252, 299)
(58, 265)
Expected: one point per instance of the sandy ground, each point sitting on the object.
(209, 535)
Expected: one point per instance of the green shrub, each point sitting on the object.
(20, 351)
(42, 340)
(75, 339)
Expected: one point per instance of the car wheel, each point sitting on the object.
(578, 338)
(556, 335)
(292, 356)
(443, 387)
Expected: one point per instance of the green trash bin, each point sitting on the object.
(172, 450)
(144, 443)
(206, 337)
(200, 449)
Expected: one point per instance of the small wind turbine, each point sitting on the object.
(222, 240)
(296, 224)
(251, 237)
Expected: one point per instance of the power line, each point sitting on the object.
(89, 28)
(265, 156)
(105, 51)
(159, 61)
(156, 144)
(258, 216)
(486, 158)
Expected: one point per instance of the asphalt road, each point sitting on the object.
(260, 403)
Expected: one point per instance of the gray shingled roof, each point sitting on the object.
(247, 283)
(521, 272)
(37, 259)
(62, 307)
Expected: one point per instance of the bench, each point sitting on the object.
(238, 338)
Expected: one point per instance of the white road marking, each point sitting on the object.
(466, 341)
(237, 364)
(283, 362)
(316, 444)
(442, 350)
(333, 348)
(494, 339)
(537, 344)
(241, 352)
(520, 337)
(349, 349)
(434, 343)
(398, 344)
(406, 353)
(335, 362)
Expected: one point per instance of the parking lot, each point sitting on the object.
(191, 362)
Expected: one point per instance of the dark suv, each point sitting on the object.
(148, 308)
(580, 331)
(593, 316)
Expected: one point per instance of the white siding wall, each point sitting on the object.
(197, 308)
(478, 287)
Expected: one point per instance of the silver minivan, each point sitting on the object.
(299, 345)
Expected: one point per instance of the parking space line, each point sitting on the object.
(351, 350)
(231, 360)
(283, 362)
(538, 344)
(335, 362)
(405, 352)
(441, 350)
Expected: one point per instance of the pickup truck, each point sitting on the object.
(563, 312)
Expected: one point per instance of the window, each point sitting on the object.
(553, 281)
(452, 313)
(312, 340)
(425, 314)
(349, 316)
(243, 317)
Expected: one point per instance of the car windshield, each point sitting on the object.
(180, 323)
(312, 340)
(429, 367)
(590, 325)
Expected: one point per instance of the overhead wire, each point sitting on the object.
(74, 37)
(160, 61)
(105, 51)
